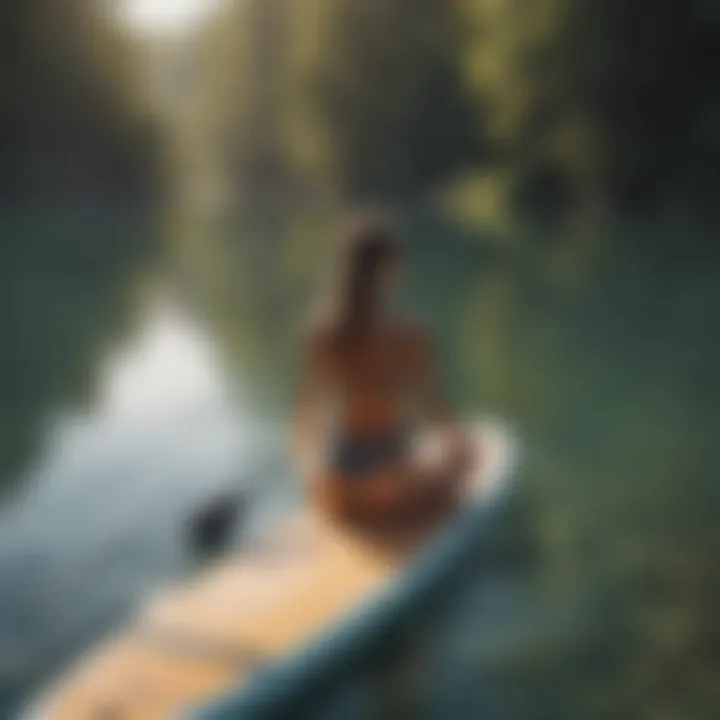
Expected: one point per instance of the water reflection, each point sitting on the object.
(97, 522)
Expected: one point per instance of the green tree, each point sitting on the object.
(600, 103)
(389, 94)
(72, 120)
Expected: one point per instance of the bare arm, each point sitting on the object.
(435, 404)
(304, 444)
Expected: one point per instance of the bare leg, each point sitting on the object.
(422, 488)
(437, 474)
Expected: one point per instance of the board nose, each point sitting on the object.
(498, 456)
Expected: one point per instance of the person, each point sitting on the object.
(368, 388)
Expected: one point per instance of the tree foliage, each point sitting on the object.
(390, 96)
(72, 120)
(601, 101)
(580, 105)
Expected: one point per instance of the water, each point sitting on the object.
(601, 351)
(97, 521)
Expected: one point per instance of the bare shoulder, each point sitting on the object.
(317, 337)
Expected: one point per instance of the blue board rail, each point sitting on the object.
(301, 680)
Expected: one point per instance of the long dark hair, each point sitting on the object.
(369, 245)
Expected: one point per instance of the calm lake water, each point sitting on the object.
(96, 520)
(602, 353)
